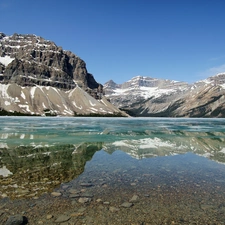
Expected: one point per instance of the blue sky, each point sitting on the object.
(118, 39)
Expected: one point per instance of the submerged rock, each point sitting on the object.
(127, 204)
(16, 220)
(86, 184)
(113, 209)
(84, 200)
(135, 198)
(62, 218)
(56, 194)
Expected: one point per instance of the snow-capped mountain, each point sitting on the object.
(146, 96)
(38, 77)
(141, 88)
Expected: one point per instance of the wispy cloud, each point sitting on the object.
(212, 71)
(218, 69)
(217, 58)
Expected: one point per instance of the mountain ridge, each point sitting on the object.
(147, 96)
(37, 77)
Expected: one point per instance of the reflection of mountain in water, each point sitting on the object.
(207, 144)
(29, 171)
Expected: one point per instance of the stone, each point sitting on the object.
(84, 200)
(86, 184)
(48, 217)
(106, 203)
(56, 194)
(74, 196)
(134, 199)
(62, 218)
(113, 209)
(4, 195)
(65, 187)
(87, 195)
(77, 214)
(74, 191)
(127, 204)
(15, 220)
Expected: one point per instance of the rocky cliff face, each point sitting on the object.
(30, 60)
(37, 76)
(145, 96)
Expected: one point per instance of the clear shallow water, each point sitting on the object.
(175, 165)
(58, 130)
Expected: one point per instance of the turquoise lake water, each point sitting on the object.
(169, 162)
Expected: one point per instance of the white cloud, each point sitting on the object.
(217, 69)
(212, 71)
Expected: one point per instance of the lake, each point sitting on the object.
(57, 170)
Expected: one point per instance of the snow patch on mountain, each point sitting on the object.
(145, 92)
(142, 88)
(38, 99)
(6, 60)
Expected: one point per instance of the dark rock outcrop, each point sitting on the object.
(31, 60)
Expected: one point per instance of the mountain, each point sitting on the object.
(38, 77)
(146, 96)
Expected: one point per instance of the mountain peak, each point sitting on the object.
(30, 60)
(2, 35)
